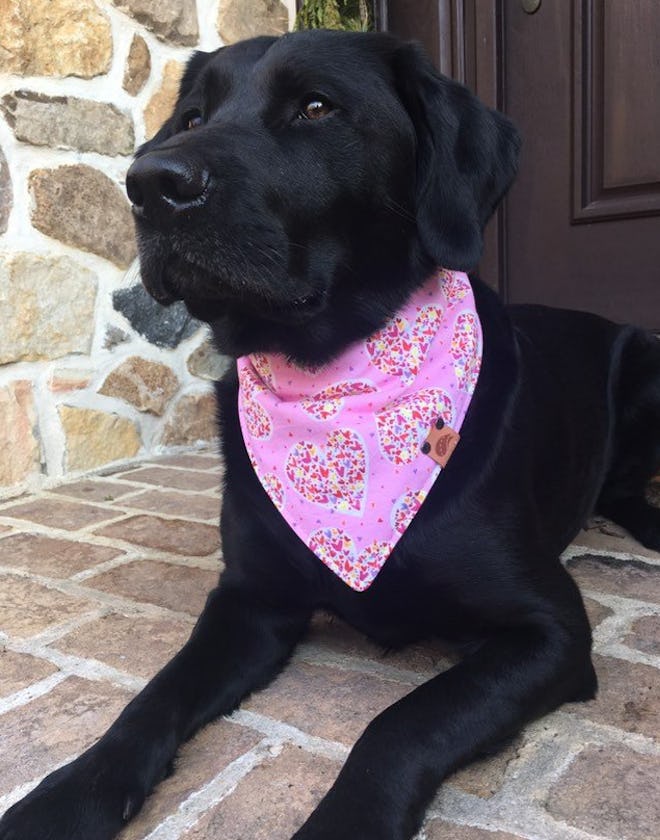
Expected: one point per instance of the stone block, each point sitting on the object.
(93, 490)
(46, 308)
(54, 38)
(596, 612)
(6, 195)
(180, 588)
(58, 725)
(238, 19)
(185, 505)
(19, 446)
(177, 536)
(65, 122)
(193, 420)
(161, 105)
(19, 670)
(605, 536)
(173, 21)
(111, 640)
(203, 460)
(206, 363)
(321, 700)
(162, 326)
(63, 380)
(28, 608)
(96, 437)
(172, 478)
(645, 635)
(628, 697)
(58, 513)
(330, 633)
(611, 792)
(114, 336)
(442, 830)
(138, 66)
(82, 207)
(628, 578)
(198, 762)
(54, 558)
(272, 801)
(485, 777)
(147, 385)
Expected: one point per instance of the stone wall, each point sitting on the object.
(92, 371)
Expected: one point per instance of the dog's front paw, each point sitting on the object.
(83, 800)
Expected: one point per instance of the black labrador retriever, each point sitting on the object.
(301, 195)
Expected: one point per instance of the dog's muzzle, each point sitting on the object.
(163, 186)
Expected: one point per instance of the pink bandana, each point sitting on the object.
(341, 449)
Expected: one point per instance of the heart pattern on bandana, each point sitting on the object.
(258, 422)
(334, 475)
(337, 550)
(334, 547)
(464, 351)
(263, 367)
(453, 286)
(405, 508)
(257, 419)
(275, 489)
(403, 424)
(399, 348)
(330, 401)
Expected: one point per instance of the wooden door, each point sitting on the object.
(582, 81)
(581, 78)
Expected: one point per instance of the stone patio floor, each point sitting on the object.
(101, 580)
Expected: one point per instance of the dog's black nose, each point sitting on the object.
(161, 184)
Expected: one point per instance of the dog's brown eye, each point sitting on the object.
(315, 108)
(192, 120)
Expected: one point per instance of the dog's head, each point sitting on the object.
(305, 185)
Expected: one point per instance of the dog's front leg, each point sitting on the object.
(404, 754)
(238, 645)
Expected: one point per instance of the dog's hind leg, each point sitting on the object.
(532, 663)
(636, 445)
(238, 645)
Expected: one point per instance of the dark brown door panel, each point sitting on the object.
(581, 78)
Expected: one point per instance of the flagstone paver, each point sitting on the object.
(174, 587)
(172, 535)
(58, 558)
(58, 513)
(101, 580)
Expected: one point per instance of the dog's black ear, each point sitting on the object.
(467, 157)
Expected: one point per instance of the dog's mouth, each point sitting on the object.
(295, 311)
(209, 297)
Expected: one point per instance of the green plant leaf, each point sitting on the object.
(355, 15)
